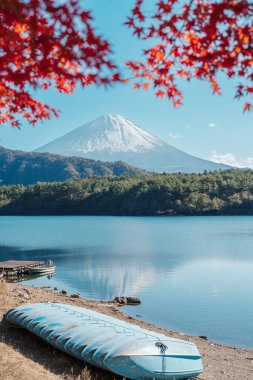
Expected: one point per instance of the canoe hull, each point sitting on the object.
(42, 270)
(109, 343)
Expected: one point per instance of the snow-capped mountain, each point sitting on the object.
(115, 138)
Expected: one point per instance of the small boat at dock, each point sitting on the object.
(46, 269)
(18, 268)
(109, 343)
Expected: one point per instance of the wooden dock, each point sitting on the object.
(14, 268)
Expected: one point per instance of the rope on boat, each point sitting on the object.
(159, 344)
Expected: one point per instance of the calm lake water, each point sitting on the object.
(193, 274)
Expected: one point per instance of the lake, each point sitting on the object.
(192, 274)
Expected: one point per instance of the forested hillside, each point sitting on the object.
(225, 192)
(18, 167)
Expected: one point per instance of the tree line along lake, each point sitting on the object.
(227, 192)
(192, 274)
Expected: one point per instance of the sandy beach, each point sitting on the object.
(24, 356)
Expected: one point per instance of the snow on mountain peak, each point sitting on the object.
(110, 134)
(114, 138)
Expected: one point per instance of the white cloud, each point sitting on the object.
(231, 159)
(249, 162)
(173, 135)
(212, 125)
(226, 158)
(188, 126)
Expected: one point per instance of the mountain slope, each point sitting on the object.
(114, 138)
(17, 167)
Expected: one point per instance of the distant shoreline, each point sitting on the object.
(130, 216)
(217, 193)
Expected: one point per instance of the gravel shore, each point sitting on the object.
(24, 356)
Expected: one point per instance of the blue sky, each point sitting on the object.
(208, 126)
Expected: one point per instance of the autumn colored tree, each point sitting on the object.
(47, 43)
(194, 39)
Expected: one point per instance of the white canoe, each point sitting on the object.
(109, 343)
(42, 270)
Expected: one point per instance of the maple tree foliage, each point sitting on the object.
(47, 43)
(194, 39)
